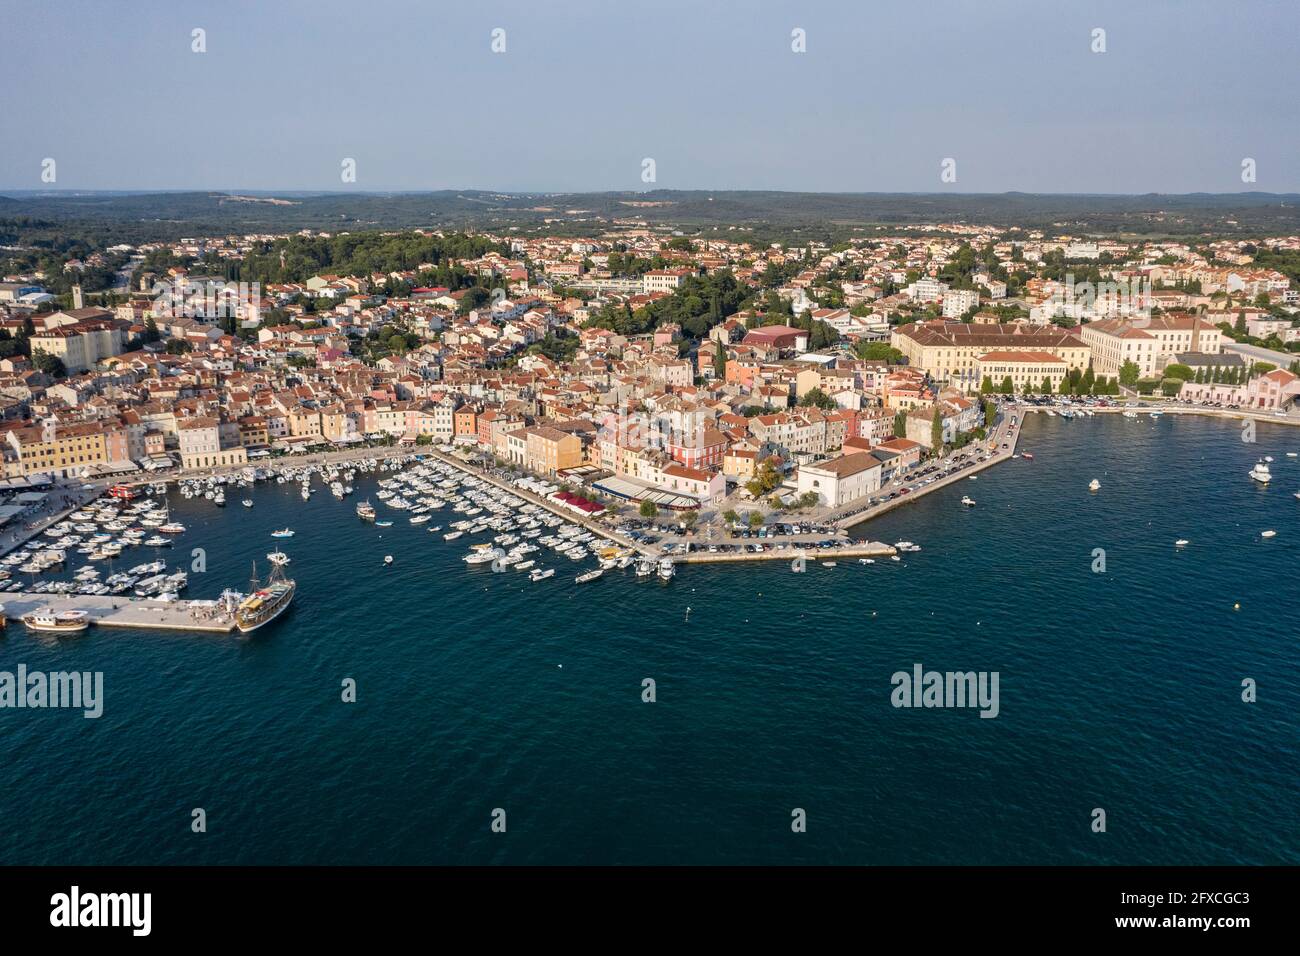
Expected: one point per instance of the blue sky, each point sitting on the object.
(709, 89)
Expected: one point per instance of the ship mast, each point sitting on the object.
(253, 585)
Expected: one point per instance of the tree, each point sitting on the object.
(878, 351)
(649, 510)
(986, 386)
(818, 398)
(1008, 387)
(730, 516)
(765, 479)
(1129, 373)
(51, 365)
(1047, 386)
(1179, 371)
(936, 430)
(990, 413)
(900, 424)
(755, 519)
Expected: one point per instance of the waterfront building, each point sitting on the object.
(841, 480)
(1150, 342)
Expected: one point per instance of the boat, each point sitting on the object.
(57, 622)
(1260, 473)
(388, 559)
(524, 565)
(1094, 485)
(283, 533)
(828, 564)
(666, 569)
(172, 527)
(1027, 456)
(264, 604)
(247, 502)
(419, 519)
(644, 568)
(383, 524)
(588, 576)
(452, 535)
(278, 557)
(866, 560)
(1267, 534)
(365, 511)
(539, 574)
(1181, 542)
(968, 501)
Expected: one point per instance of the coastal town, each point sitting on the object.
(644, 372)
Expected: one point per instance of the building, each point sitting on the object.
(63, 450)
(201, 445)
(1027, 370)
(950, 351)
(958, 302)
(842, 480)
(1149, 342)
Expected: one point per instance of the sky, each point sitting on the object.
(711, 90)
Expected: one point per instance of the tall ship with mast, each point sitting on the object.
(265, 603)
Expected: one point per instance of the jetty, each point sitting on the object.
(845, 551)
(138, 613)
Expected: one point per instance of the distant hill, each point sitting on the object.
(137, 217)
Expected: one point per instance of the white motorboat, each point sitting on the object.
(1094, 485)
(1261, 473)
(588, 576)
(278, 557)
(968, 501)
(1268, 534)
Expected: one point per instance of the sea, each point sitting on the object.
(500, 721)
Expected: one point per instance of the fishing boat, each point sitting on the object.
(365, 511)
(283, 533)
(57, 622)
(264, 604)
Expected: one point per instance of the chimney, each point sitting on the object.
(76, 297)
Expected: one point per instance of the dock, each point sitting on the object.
(138, 613)
(868, 549)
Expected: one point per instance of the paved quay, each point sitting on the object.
(138, 613)
(868, 549)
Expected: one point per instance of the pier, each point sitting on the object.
(844, 551)
(138, 613)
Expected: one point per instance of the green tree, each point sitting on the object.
(1129, 373)
(936, 430)
(986, 386)
(990, 413)
(649, 510)
(900, 424)
(1008, 387)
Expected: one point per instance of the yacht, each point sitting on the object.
(1261, 473)
(172, 527)
(278, 558)
(968, 501)
(666, 569)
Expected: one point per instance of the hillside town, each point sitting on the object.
(662, 371)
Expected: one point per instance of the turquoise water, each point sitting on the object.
(1118, 690)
